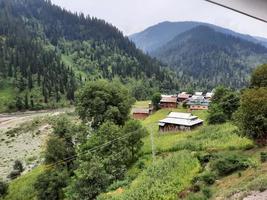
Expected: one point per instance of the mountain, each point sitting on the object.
(158, 35)
(48, 53)
(206, 57)
(185, 47)
(262, 40)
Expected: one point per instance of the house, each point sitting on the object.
(198, 102)
(179, 121)
(168, 101)
(141, 113)
(198, 105)
(183, 96)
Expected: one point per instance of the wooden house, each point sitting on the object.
(179, 121)
(141, 113)
(168, 101)
(183, 96)
(198, 102)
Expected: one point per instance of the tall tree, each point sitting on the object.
(101, 101)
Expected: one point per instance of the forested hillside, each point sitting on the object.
(160, 34)
(47, 52)
(204, 55)
(205, 58)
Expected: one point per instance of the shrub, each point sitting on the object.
(204, 158)
(117, 184)
(228, 164)
(209, 178)
(216, 118)
(207, 192)
(18, 166)
(3, 188)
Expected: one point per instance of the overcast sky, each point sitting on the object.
(132, 16)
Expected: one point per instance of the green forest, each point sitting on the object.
(48, 52)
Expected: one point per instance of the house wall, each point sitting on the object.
(173, 127)
(140, 115)
(198, 107)
(168, 105)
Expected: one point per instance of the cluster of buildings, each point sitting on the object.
(177, 121)
(198, 101)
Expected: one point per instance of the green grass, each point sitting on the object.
(207, 137)
(23, 187)
(163, 180)
(7, 94)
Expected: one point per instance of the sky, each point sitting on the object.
(132, 16)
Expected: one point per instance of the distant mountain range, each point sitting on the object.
(204, 55)
(156, 36)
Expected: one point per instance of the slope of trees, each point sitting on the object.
(205, 58)
(47, 52)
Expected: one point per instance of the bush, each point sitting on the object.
(3, 188)
(207, 192)
(216, 118)
(209, 178)
(263, 157)
(228, 164)
(117, 184)
(18, 166)
(50, 184)
(204, 158)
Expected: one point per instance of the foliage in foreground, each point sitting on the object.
(23, 187)
(251, 117)
(99, 168)
(163, 180)
(224, 103)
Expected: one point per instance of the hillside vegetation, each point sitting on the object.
(179, 161)
(203, 55)
(48, 52)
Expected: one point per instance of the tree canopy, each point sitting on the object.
(101, 101)
(259, 77)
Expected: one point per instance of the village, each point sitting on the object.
(177, 121)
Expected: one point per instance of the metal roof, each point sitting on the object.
(180, 115)
(141, 110)
(168, 99)
(184, 119)
(177, 121)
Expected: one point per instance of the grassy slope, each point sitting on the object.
(216, 138)
(22, 188)
(168, 172)
(7, 94)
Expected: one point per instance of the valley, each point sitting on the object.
(90, 111)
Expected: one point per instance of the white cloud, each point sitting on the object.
(132, 16)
